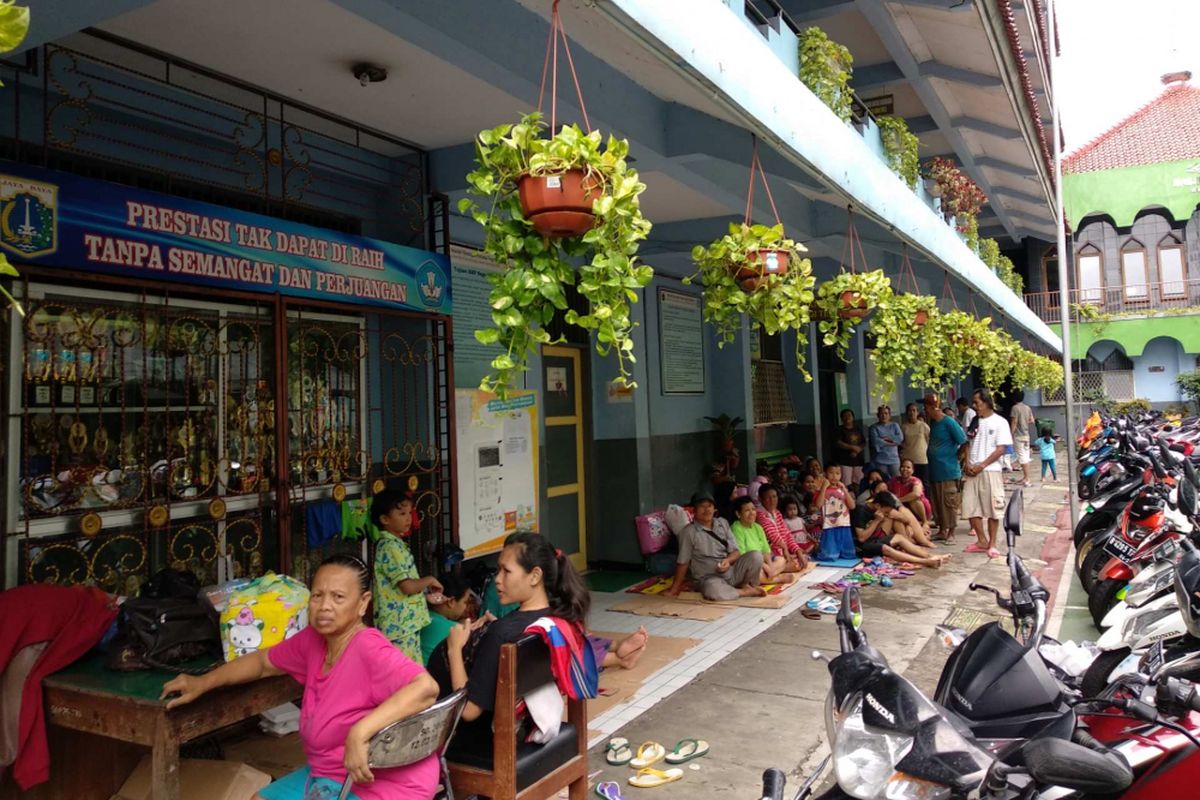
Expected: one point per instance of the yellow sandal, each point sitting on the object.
(649, 777)
(648, 754)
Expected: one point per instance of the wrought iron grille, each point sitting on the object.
(152, 433)
(112, 103)
(146, 436)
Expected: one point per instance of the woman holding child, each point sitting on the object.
(775, 527)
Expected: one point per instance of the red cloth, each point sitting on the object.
(900, 487)
(781, 539)
(72, 620)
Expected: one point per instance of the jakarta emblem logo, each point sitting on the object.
(28, 216)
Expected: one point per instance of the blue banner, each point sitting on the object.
(61, 220)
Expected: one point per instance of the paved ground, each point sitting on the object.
(763, 704)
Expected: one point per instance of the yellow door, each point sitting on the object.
(564, 519)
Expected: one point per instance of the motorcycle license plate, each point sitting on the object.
(1152, 660)
(1117, 547)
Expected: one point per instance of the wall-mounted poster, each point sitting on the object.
(497, 467)
(681, 342)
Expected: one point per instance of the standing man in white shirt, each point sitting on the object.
(983, 481)
(965, 413)
(1021, 417)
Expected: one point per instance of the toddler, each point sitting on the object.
(1045, 443)
(400, 610)
(796, 524)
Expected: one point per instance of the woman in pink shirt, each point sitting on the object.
(355, 684)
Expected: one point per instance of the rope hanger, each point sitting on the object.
(852, 240)
(551, 64)
(757, 167)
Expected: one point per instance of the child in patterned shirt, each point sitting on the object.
(400, 609)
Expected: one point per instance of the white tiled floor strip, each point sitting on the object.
(718, 639)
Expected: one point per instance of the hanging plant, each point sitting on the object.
(1009, 275)
(997, 358)
(989, 254)
(825, 68)
(960, 195)
(555, 198)
(899, 340)
(968, 226)
(900, 146)
(949, 348)
(845, 300)
(777, 301)
(537, 269)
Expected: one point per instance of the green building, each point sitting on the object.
(1131, 197)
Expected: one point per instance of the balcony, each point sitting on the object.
(1120, 301)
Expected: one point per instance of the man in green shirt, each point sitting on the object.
(750, 537)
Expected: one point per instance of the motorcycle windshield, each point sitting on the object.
(941, 752)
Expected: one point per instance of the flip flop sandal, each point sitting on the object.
(686, 750)
(826, 605)
(809, 613)
(649, 753)
(974, 547)
(649, 778)
(609, 790)
(618, 753)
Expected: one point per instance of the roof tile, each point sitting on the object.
(1165, 129)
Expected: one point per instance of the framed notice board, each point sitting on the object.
(680, 342)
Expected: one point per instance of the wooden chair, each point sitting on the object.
(414, 738)
(518, 770)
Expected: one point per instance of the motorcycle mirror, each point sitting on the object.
(850, 614)
(1012, 517)
(1057, 762)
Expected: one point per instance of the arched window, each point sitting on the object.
(1090, 263)
(1172, 267)
(1135, 276)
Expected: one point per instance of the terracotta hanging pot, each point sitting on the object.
(760, 264)
(921, 317)
(559, 206)
(854, 306)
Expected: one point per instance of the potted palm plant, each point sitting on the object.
(535, 228)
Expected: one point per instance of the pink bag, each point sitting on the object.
(652, 532)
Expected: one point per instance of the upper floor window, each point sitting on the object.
(1090, 263)
(1172, 270)
(1135, 278)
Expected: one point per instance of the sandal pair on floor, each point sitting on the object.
(618, 753)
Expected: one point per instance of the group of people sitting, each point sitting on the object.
(769, 534)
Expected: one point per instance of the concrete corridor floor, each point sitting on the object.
(763, 704)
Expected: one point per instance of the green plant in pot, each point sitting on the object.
(900, 146)
(997, 358)
(825, 68)
(844, 300)
(899, 340)
(738, 278)
(949, 348)
(589, 215)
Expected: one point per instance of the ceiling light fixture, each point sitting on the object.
(369, 73)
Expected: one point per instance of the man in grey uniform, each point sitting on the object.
(708, 550)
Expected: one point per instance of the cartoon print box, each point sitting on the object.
(262, 614)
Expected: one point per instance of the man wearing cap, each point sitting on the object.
(708, 550)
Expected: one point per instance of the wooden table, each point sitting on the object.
(125, 706)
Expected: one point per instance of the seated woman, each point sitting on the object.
(355, 684)
(877, 532)
(542, 580)
(458, 602)
(750, 536)
(911, 491)
(770, 519)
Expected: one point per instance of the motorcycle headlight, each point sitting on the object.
(865, 760)
(1147, 590)
(1137, 626)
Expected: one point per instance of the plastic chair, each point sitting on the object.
(414, 738)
